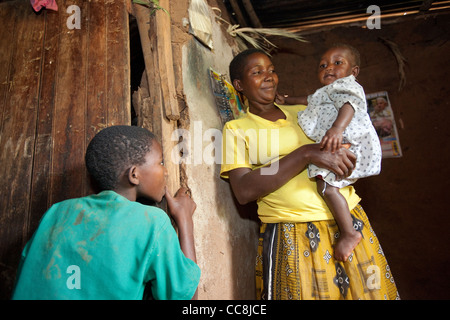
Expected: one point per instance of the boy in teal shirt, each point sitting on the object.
(108, 246)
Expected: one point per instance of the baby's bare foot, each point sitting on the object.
(345, 245)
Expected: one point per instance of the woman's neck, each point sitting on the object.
(269, 112)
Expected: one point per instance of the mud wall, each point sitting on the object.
(226, 234)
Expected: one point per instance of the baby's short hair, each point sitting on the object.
(113, 150)
(353, 51)
(238, 63)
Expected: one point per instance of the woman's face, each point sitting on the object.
(258, 81)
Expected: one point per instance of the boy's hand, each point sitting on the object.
(332, 140)
(181, 206)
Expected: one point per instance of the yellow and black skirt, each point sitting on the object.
(295, 261)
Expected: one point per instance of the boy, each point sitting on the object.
(108, 246)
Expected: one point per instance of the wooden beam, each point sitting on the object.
(238, 13)
(157, 50)
(252, 14)
(165, 61)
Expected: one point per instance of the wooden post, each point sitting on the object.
(157, 49)
(165, 61)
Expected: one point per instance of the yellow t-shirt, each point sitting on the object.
(254, 142)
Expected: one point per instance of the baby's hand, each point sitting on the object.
(280, 99)
(332, 140)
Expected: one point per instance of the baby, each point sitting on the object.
(337, 117)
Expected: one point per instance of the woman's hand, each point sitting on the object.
(249, 185)
(341, 162)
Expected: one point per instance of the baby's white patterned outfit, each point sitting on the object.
(318, 117)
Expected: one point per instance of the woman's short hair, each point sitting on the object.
(238, 63)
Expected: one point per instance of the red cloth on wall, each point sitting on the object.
(48, 4)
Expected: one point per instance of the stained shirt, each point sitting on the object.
(104, 247)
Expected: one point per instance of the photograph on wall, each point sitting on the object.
(380, 110)
(227, 99)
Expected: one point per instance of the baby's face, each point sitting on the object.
(336, 63)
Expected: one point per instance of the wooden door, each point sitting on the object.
(58, 87)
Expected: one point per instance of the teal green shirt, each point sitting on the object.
(104, 247)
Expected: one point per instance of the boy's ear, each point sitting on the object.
(133, 176)
(355, 71)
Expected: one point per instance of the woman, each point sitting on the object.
(265, 154)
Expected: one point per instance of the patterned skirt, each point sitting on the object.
(295, 261)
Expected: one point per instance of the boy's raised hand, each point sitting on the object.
(181, 206)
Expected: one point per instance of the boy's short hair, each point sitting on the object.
(238, 63)
(115, 149)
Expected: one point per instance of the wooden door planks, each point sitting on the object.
(97, 71)
(19, 114)
(8, 22)
(58, 87)
(68, 179)
(118, 63)
(41, 178)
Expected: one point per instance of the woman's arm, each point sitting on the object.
(249, 185)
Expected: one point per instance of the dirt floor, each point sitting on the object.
(406, 202)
